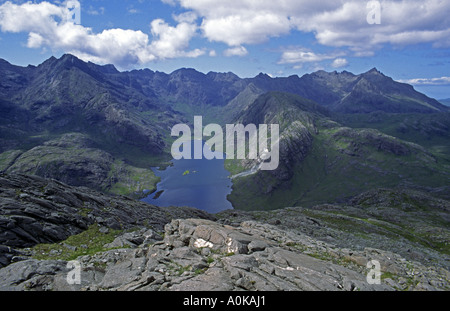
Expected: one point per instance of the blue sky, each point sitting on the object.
(408, 40)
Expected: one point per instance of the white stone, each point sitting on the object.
(200, 243)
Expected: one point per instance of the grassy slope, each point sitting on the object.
(89, 242)
(132, 180)
(427, 130)
(330, 174)
(127, 172)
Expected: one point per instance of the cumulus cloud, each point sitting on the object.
(334, 23)
(342, 24)
(47, 26)
(172, 41)
(339, 63)
(236, 30)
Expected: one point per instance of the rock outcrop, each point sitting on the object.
(203, 255)
(119, 244)
(34, 210)
(196, 255)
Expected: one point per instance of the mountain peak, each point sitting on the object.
(186, 70)
(374, 70)
(190, 73)
(51, 60)
(263, 75)
(66, 59)
(69, 57)
(222, 76)
(347, 73)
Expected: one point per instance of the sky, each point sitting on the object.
(408, 40)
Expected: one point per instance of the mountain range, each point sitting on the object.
(92, 125)
(364, 175)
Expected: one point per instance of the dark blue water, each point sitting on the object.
(205, 187)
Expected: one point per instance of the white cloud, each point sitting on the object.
(301, 55)
(339, 63)
(427, 81)
(186, 17)
(172, 41)
(341, 23)
(29, 17)
(236, 51)
(236, 30)
(46, 27)
(334, 23)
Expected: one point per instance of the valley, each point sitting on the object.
(341, 133)
(363, 174)
(224, 154)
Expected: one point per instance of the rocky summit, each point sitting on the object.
(123, 245)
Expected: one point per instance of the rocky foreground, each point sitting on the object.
(122, 244)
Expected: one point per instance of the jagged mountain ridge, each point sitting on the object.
(65, 118)
(218, 89)
(127, 116)
(323, 161)
(68, 94)
(55, 93)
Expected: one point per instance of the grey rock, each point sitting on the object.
(123, 272)
(35, 210)
(257, 246)
(267, 264)
(214, 279)
(198, 252)
(30, 274)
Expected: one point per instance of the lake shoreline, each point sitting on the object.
(198, 183)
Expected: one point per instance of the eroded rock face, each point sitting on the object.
(203, 255)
